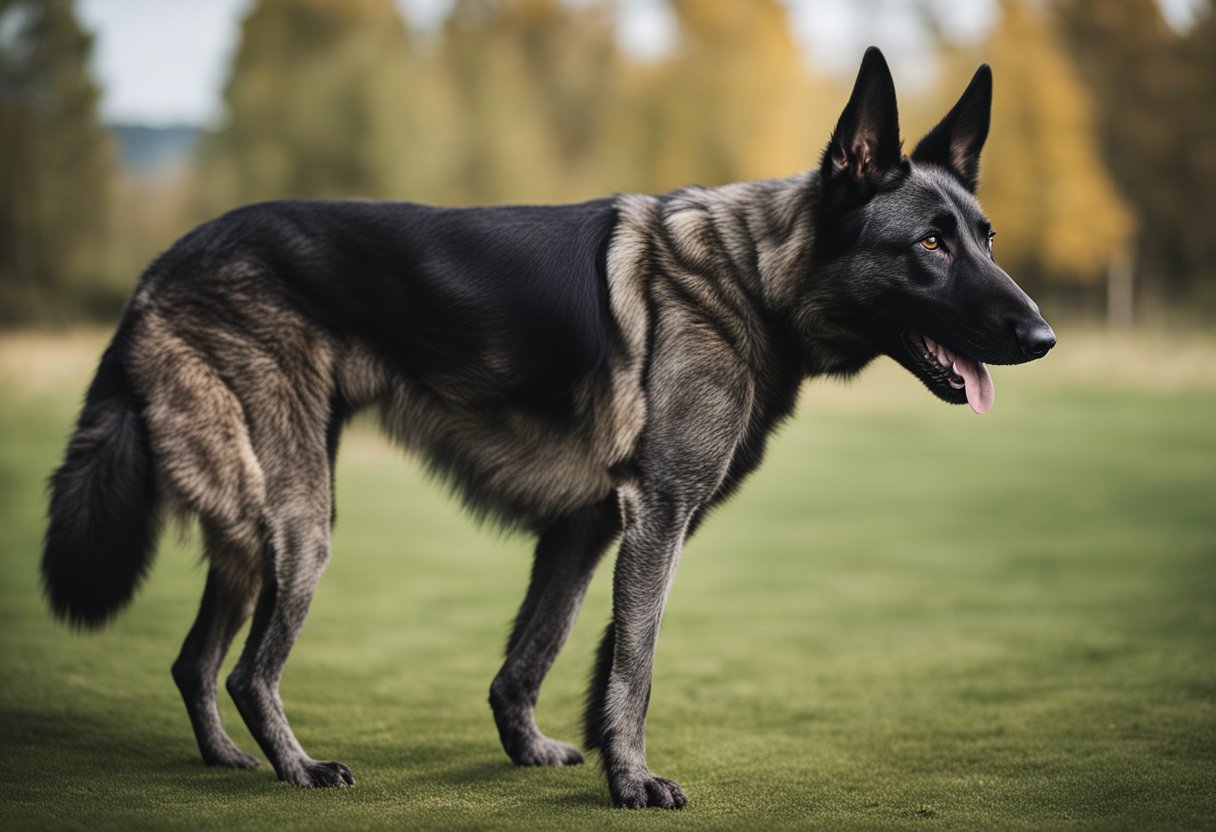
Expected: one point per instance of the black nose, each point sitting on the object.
(1035, 338)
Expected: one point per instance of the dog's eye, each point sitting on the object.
(991, 237)
(930, 243)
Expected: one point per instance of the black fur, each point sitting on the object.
(955, 143)
(864, 147)
(102, 530)
(440, 289)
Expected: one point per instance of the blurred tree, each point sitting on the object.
(58, 161)
(320, 102)
(735, 101)
(1200, 48)
(1056, 208)
(532, 78)
(1154, 90)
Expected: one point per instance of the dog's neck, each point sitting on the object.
(763, 232)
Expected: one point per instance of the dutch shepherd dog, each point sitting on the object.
(582, 372)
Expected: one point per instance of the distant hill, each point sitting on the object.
(145, 149)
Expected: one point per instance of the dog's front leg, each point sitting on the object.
(693, 431)
(645, 568)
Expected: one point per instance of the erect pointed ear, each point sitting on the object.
(955, 143)
(865, 143)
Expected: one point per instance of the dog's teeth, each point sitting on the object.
(956, 380)
(930, 344)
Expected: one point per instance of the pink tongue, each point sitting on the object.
(980, 394)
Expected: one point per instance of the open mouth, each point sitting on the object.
(951, 375)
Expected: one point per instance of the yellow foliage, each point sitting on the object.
(735, 101)
(1044, 181)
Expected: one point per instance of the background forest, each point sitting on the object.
(1100, 173)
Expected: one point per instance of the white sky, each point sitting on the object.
(165, 61)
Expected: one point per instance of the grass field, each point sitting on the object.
(912, 617)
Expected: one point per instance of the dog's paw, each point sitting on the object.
(546, 752)
(321, 775)
(231, 757)
(648, 791)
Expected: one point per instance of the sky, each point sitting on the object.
(164, 62)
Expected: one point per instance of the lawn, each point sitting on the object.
(911, 617)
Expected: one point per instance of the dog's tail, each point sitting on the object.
(103, 524)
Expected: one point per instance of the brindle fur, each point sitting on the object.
(699, 314)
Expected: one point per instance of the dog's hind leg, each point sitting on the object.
(295, 452)
(566, 557)
(243, 435)
(227, 603)
(298, 538)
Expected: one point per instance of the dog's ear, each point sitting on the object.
(955, 143)
(865, 144)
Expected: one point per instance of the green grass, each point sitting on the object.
(911, 617)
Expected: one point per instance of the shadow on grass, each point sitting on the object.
(78, 745)
(571, 787)
(129, 751)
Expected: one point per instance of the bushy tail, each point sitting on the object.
(103, 525)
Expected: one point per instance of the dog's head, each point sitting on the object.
(906, 251)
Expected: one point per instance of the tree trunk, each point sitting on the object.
(1120, 290)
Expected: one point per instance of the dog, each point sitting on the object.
(587, 372)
